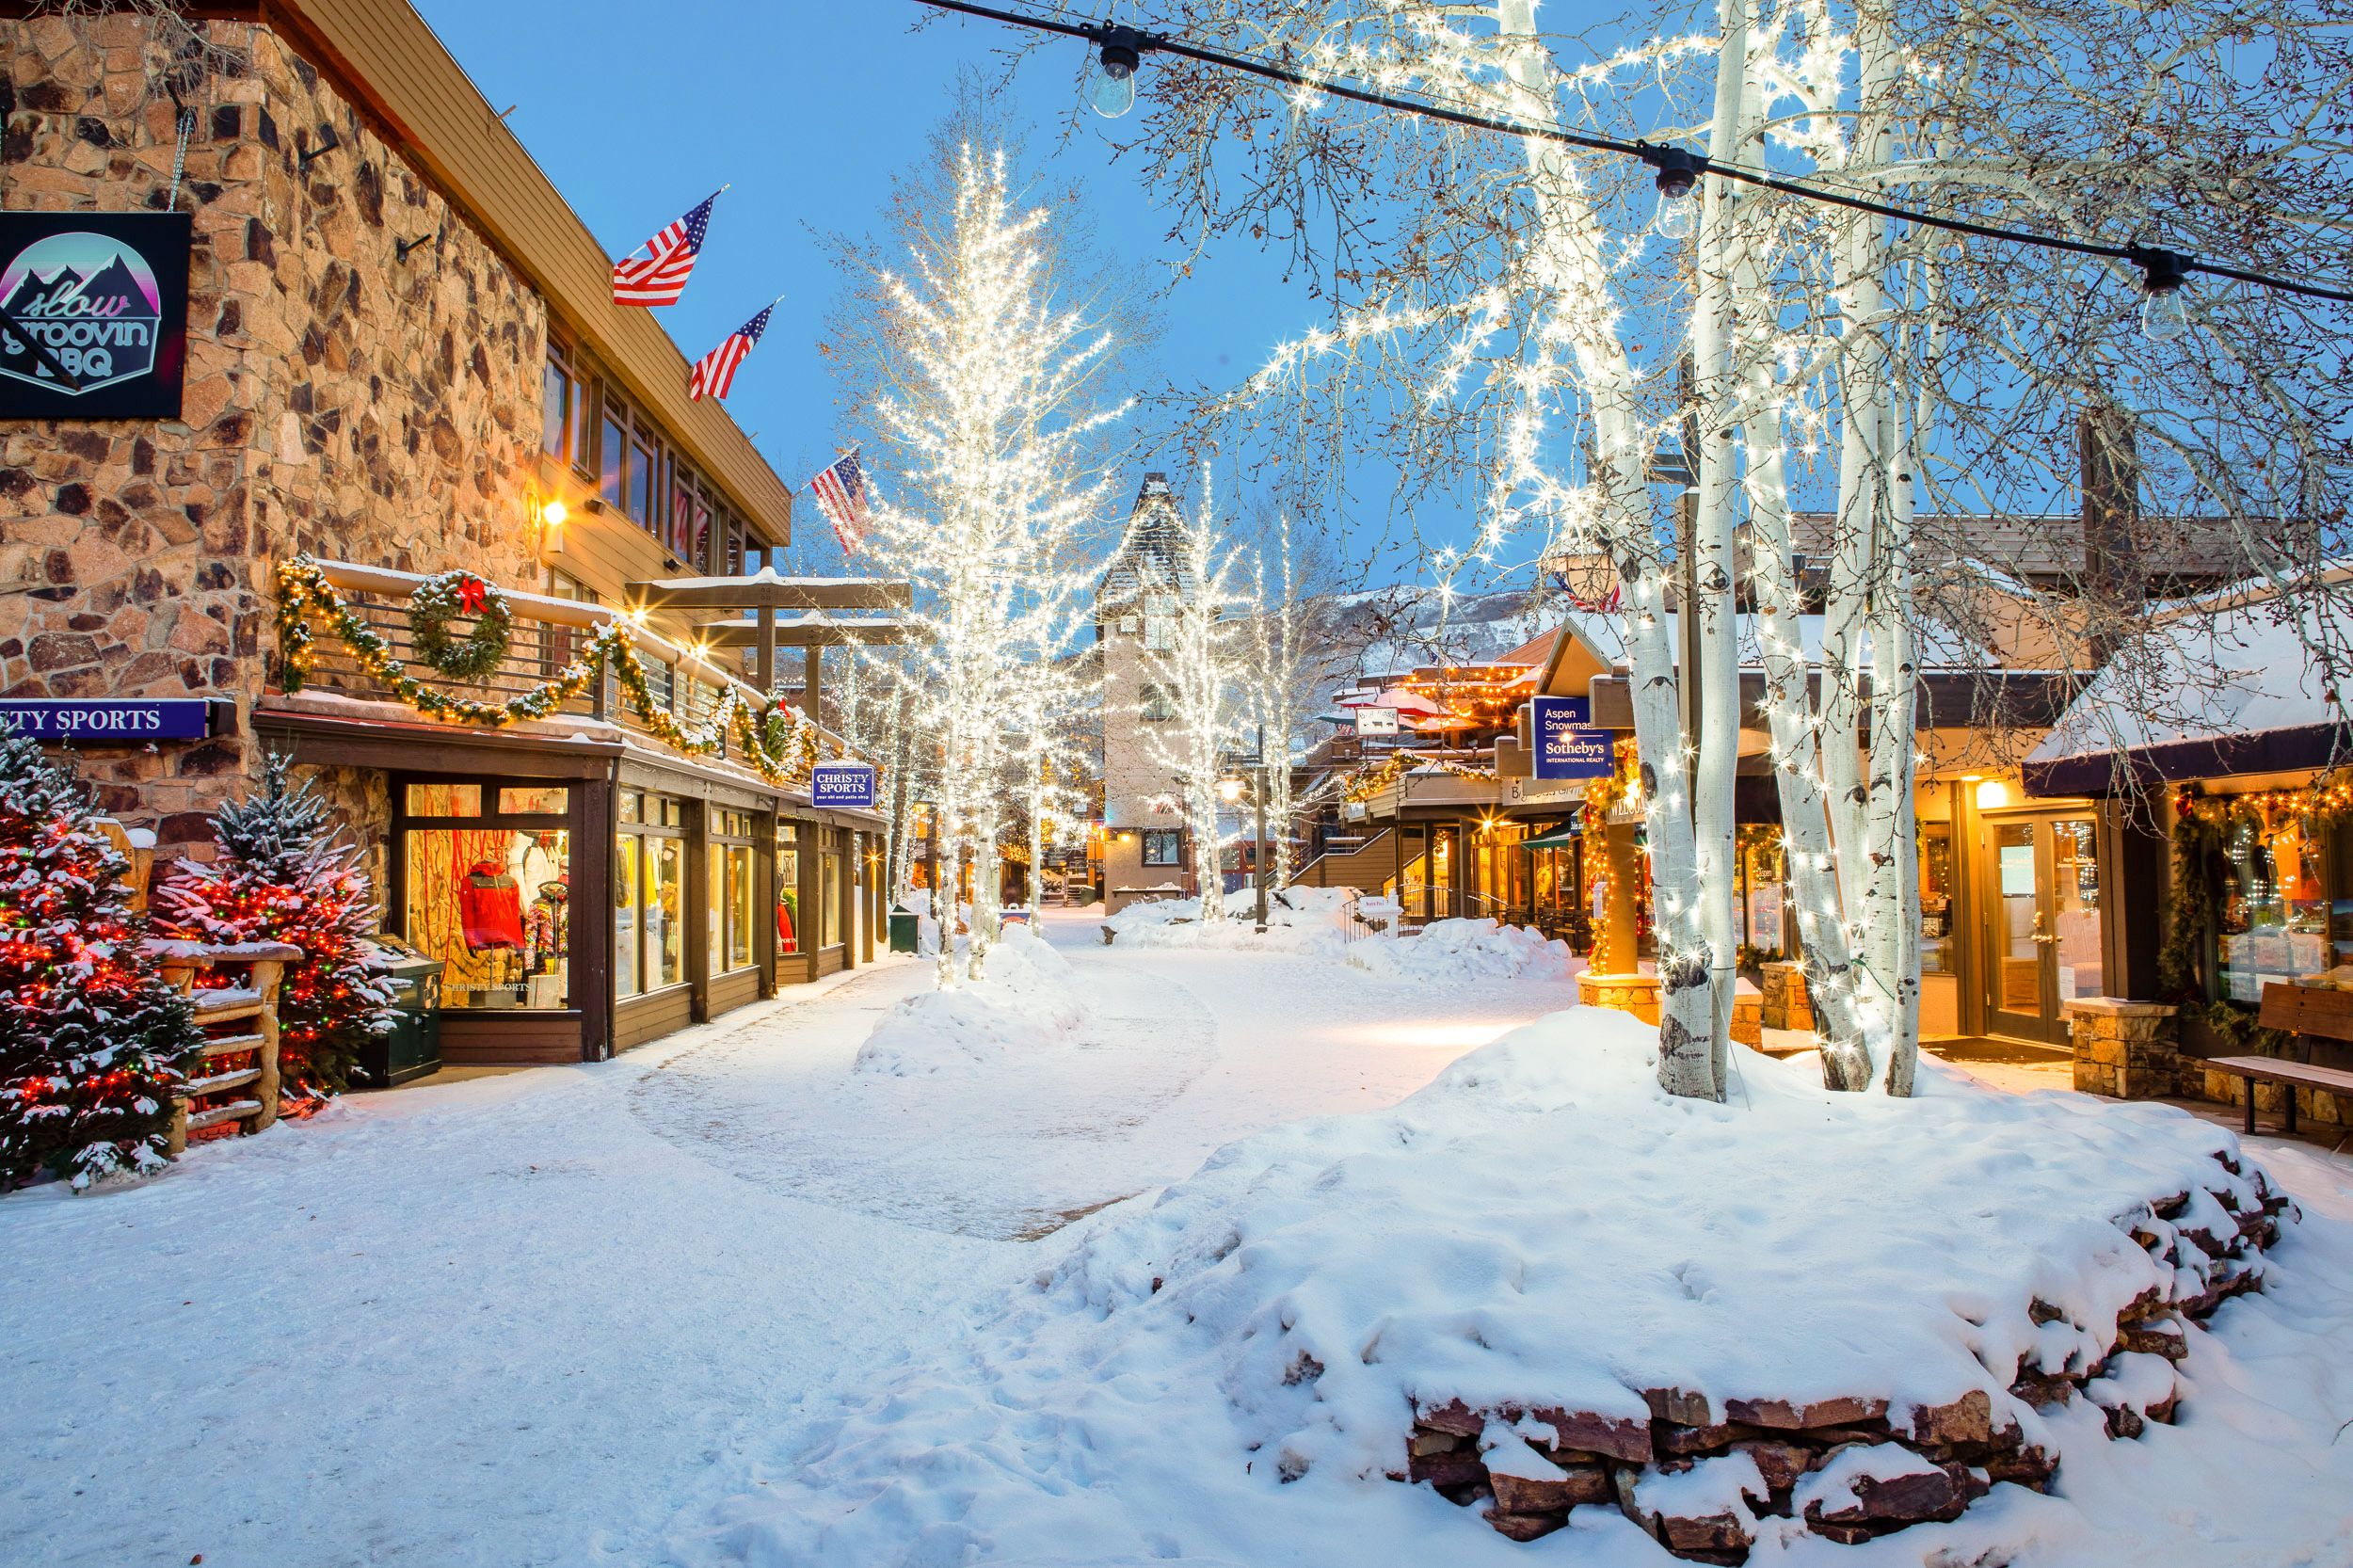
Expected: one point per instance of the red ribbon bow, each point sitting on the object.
(470, 595)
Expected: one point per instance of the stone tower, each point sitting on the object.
(1147, 850)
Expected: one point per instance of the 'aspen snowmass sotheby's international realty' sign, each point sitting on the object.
(93, 314)
(1566, 745)
(847, 784)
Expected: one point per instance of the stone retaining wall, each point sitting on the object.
(1852, 1468)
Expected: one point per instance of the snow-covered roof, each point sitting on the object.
(2232, 672)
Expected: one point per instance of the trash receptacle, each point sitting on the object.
(413, 1048)
(902, 932)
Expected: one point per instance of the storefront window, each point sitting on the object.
(1762, 893)
(649, 895)
(1936, 899)
(556, 413)
(730, 894)
(830, 866)
(787, 889)
(490, 896)
(2275, 912)
(612, 447)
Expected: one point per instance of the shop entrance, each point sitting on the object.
(2047, 941)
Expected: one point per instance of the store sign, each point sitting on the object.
(1376, 721)
(845, 784)
(110, 721)
(1567, 747)
(93, 314)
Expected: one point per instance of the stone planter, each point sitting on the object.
(2124, 1049)
(1783, 1002)
(1636, 994)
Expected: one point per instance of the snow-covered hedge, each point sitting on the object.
(1458, 952)
(1540, 1227)
(1027, 1004)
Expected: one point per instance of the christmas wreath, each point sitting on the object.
(441, 600)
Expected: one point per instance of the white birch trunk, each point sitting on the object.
(1572, 231)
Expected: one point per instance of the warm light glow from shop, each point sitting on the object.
(1992, 794)
(1449, 1034)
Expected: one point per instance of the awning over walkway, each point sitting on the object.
(1559, 837)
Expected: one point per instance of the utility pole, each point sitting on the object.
(1259, 864)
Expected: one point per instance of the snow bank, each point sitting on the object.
(1460, 951)
(1299, 919)
(1539, 1227)
(1027, 1005)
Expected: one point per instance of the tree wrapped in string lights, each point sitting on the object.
(285, 874)
(977, 378)
(92, 1041)
(1865, 390)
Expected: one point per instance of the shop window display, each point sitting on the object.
(490, 899)
(2276, 912)
(648, 895)
(730, 890)
(787, 889)
(1936, 898)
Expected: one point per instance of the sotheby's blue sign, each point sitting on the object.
(849, 784)
(109, 721)
(1567, 747)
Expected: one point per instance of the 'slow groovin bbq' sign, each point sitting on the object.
(93, 314)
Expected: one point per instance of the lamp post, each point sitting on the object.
(1229, 790)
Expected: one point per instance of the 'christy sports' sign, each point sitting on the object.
(844, 784)
(109, 721)
(93, 314)
(1567, 747)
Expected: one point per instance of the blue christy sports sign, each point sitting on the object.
(109, 721)
(1567, 745)
(846, 784)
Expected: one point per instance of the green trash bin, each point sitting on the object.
(903, 932)
(413, 1048)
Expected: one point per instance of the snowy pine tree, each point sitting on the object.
(91, 1039)
(284, 875)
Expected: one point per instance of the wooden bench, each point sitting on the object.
(2308, 1013)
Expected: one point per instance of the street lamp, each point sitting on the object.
(1229, 788)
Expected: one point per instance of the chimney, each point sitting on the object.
(2114, 585)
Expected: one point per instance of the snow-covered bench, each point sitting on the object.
(2308, 1013)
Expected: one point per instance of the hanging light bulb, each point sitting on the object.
(2164, 310)
(1678, 174)
(1113, 90)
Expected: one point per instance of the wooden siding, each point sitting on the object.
(831, 961)
(643, 1019)
(604, 552)
(388, 59)
(504, 1037)
(796, 968)
(731, 991)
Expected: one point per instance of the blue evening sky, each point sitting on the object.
(809, 108)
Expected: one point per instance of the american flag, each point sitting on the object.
(715, 372)
(660, 277)
(841, 493)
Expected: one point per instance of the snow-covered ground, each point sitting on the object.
(539, 1317)
(639, 1313)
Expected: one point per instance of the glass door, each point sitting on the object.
(2048, 939)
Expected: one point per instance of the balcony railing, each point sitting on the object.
(548, 636)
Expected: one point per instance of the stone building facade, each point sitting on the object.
(1147, 850)
(341, 397)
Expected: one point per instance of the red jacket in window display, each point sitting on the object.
(490, 908)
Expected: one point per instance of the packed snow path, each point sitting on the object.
(528, 1320)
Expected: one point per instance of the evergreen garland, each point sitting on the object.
(284, 875)
(92, 1041)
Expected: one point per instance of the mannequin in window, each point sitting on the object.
(490, 909)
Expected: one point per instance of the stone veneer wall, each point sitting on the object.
(338, 400)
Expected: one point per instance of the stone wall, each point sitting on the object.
(338, 399)
(2123, 1050)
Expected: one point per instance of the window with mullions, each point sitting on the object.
(1163, 846)
(730, 891)
(1157, 706)
(649, 894)
(486, 888)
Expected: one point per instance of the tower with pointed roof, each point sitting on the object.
(1147, 850)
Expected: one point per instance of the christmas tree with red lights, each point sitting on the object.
(285, 875)
(91, 1039)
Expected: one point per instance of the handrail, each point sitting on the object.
(560, 612)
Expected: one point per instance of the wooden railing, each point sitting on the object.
(547, 634)
(237, 1079)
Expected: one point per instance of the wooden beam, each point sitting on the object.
(740, 634)
(766, 590)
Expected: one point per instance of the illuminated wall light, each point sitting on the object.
(1992, 794)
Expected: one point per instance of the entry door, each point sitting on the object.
(2043, 877)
